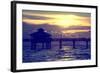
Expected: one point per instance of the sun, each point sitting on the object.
(66, 20)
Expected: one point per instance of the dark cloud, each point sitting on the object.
(81, 35)
(78, 28)
(83, 14)
(45, 26)
(35, 17)
(28, 29)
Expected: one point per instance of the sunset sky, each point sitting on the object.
(72, 21)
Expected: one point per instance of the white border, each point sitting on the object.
(21, 65)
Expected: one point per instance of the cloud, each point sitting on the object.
(78, 28)
(81, 14)
(56, 31)
(28, 29)
(57, 12)
(63, 19)
(35, 17)
(81, 35)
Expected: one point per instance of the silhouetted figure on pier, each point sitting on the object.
(40, 37)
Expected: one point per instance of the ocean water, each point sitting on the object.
(66, 53)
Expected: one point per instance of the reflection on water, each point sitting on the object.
(66, 53)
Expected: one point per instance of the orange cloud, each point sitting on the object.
(74, 31)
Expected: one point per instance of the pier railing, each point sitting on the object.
(61, 40)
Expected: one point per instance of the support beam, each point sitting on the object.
(60, 43)
(73, 44)
(87, 44)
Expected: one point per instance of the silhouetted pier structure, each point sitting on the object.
(40, 36)
(61, 40)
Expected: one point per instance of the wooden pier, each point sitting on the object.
(61, 40)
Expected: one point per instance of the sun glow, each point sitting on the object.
(61, 20)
